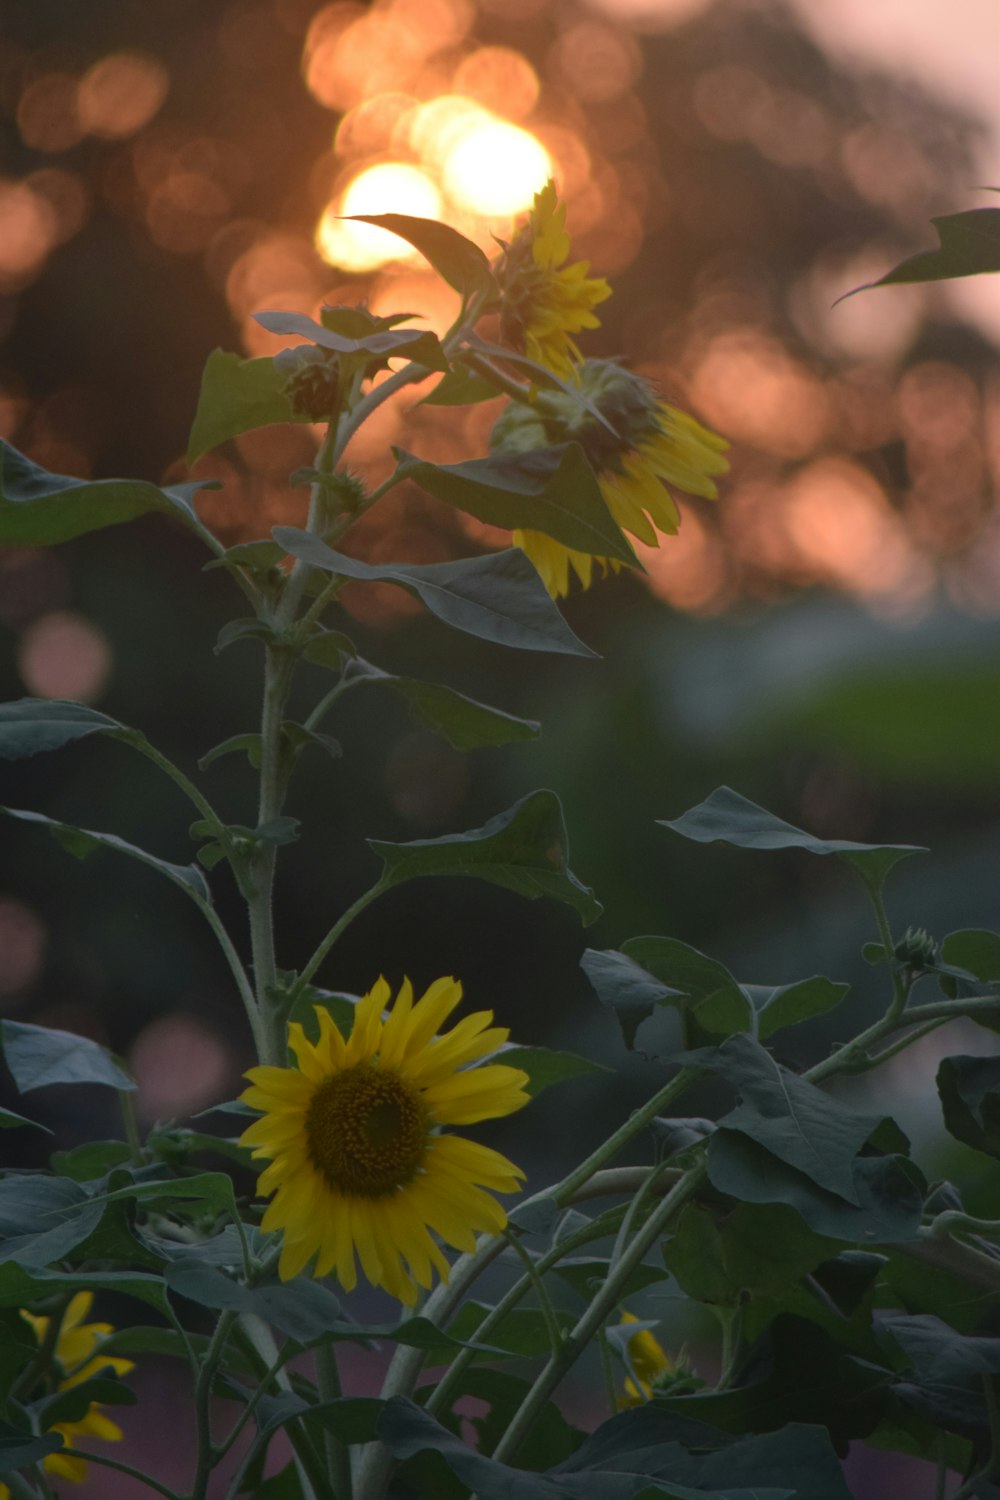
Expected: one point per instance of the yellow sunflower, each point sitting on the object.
(642, 445)
(545, 301)
(648, 1360)
(77, 1358)
(358, 1165)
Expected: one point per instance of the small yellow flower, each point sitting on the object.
(642, 446)
(545, 301)
(77, 1358)
(649, 1361)
(358, 1165)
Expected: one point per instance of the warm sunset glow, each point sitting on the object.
(62, 655)
(391, 187)
(495, 168)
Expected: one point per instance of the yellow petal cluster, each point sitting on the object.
(546, 302)
(648, 1360)
(359, 1167)
(78, 1358)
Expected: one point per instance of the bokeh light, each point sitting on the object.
(120, 94)
(22, 946)
(495, 168)
(180, 1066)
(390, 187)
(63, 655)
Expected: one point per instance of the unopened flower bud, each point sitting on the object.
(312, 381)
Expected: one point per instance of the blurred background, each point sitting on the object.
(825, 639)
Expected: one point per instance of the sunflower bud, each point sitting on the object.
(312, 381)
(916, 948)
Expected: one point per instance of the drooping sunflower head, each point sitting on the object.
(637, 445)
(546, 302)
(77, 1358)
(359, 1167)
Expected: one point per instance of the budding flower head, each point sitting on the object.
(636, 443)
(916, 948)
(311, 380)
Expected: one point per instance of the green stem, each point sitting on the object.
(336, 931)
(991, 1468)
(202, 1403)
(126, 1103)
(607, 1372)
(259, 1342)
(123, 1468)
(338, 1458)
(596, 1314)
(246, 1414)
(277, 673)
(544, 1300)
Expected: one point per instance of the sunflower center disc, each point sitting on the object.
(367, 1131)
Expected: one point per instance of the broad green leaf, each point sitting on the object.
(525, 850)
(791, 1004)
(717, 1002)
(461, 388)
(38, 509)
(521, 1334)
(38, 1056)
(463, 722)
(976, 950)
(213, 1188)
(31, 725)
(626, 987)
(92, 1159)
(43, 1218)
(969, 246)
(457, 260)
(797, 1374)
(237, 395)
(416, 344)
(889, 1191)
(19, 1285)
(553, 489)
(498, 597)
(939, 1355)
(766, 1248)
(727, 818)
(18, 1449)
(792, 1118)
(246, 629)
(83, 841)
(545, 1067)
(551, 1438)
(969, 1088)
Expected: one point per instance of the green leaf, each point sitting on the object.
(330, 648)
(969, 245)
(551, 1439)
(18, 1449)
(38, 1056)
(457, 260)
(10, 1121)
(727, 818)
(791, 1004)
(213, 1188)
(757, 1250)
(43, 1218)
(552, 489)
(246, 744)
(416, 344)
(889, 1190)
(626, 987)
(792, 1118)
(38, 509)
(31, 725)
(525, 850)
(976, 950)
(969, 1088)
(463, 722)
(92, 1159)
(717, 1002)
(72, 1404)
(83, 841)
(260, 557)
(19, 1286)
(545, 1067)
(247, 629)
(461, 388)
(237, 395)
(498, 597)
